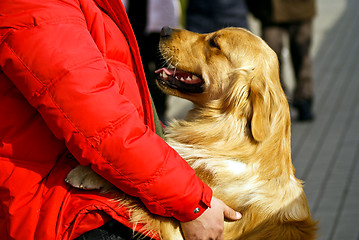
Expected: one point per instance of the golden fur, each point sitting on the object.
(237, 137)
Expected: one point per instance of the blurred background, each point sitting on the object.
(317, 43)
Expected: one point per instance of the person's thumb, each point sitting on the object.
(230, 214)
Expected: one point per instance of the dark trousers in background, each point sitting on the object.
(300, 37)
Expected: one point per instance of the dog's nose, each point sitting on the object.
(166, 32)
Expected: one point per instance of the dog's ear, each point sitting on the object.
(250, 88)
(260, 99)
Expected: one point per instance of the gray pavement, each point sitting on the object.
(326, 152)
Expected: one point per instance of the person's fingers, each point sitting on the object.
(230, 214)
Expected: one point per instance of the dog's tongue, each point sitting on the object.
(179, 75)
(168, 71)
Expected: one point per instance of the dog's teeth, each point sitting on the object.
(194, 77)
(182, 79)
(189, 78)
(164, 75)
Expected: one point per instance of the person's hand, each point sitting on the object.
(210, 224)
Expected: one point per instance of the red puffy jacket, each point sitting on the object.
(71, 80)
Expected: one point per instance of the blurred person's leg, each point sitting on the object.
(273, 35)
(300, 41)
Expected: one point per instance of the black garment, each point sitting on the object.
(137, 14)
(205, 16)
(112, 230)
(151, 58)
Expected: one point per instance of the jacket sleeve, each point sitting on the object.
(57, 66)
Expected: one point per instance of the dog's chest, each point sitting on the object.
(210, 166)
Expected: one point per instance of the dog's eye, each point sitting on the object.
(213, 43)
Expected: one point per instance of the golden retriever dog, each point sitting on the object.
(237, 137)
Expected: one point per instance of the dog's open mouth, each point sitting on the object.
(180, 80)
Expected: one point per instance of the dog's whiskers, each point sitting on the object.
(176, 66)
(170, 63)
(168, 60)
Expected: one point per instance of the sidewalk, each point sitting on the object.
(326, 152)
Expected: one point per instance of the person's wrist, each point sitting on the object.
(197, 209)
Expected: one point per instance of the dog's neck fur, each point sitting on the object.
(233, 136)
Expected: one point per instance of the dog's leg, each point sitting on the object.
(85, 178)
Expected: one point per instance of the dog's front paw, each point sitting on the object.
(85, 178)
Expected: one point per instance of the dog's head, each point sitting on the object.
(231, 69)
